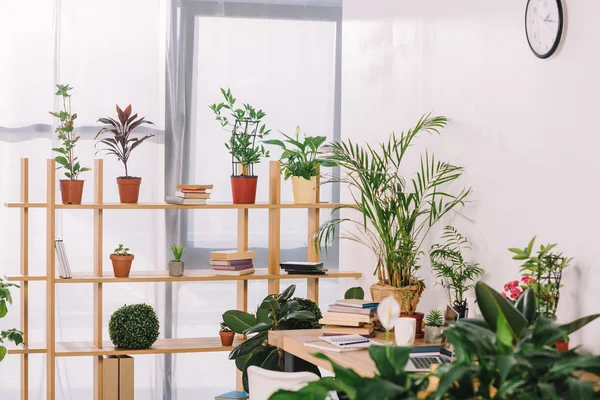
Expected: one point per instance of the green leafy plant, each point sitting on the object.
(396, 213)
(434, 318)
(276, 312)
(11, 335)
(121, 251)
(545, 269)
(224, 327)
(451, 270)
(133, 327)
(121, 145)
(66, 134)
(304, 157)
(355, 293)
(245, 125)
(177, 250)
(311, 323)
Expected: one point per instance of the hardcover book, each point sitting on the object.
(230, 263)
(233, 267)
(188, 195)
(356, 303)
(185, 186)
(236, 273)
(228, 255)
(353, 310)
(185, 202)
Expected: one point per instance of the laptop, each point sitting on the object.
(421, 358)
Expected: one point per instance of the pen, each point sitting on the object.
(362, 341)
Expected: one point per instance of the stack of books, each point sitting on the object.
(303, 268)
(350, 317)
(190, 195)
(232, 262)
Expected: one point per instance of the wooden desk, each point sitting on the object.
(292, 342)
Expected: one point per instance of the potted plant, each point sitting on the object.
(11, 335)
(434, 321)
(176, 265)
(393, 214)
(245, 125)
(134, 327)
(452, 271)
(542, 271)
(121, 261)
(121, 145)
(301, 161)
(226, 335)
(71, 189)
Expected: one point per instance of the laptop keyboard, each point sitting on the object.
(425, 362)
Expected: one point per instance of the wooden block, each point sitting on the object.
(126, 384)
(110, 365)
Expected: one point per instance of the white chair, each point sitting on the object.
(263, 383)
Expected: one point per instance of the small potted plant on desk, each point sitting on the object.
(176, 265)
(393, 214)
(434, 322)
(121, 145)
(226, 335)
(301, 162)
(245, 126)
(71, 189)
(452, 271)
(121, 261)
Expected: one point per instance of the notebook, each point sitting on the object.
(356, 303)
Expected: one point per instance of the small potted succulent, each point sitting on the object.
(71, 189)
(176, 265)
(121, 145)
(301, 161)
(245, 125)
(121, 261)
(434, 322)
(226, 335)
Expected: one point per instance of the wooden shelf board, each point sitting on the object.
(196, 276)
(36, 348)
(165, 206)
(162, 346)
(24, 278)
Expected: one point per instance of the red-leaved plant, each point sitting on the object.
(121, 145)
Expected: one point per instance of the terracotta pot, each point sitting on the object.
(419, 334)
(305, 190)
(227, 338)
(121, 265)
(176, 268)
(243, 189)
(562, 345)
(71, 191)
(129, 189)
(408, 296)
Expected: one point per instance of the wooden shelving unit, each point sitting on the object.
(99, 347)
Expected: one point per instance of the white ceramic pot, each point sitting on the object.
(305, 191)
(433, 334)
(404, 331)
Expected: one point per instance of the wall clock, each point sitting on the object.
(543, 26)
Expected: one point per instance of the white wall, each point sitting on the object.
(522, 127)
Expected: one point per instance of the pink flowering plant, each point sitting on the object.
(542, 271)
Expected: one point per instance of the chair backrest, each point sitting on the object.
(263, 382)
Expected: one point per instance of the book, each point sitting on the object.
(185, 202)
(306, 272)
(235, 395)
(346, 330)
(126, 375)
(229, 263)
(188, 195)
(321, 345)
(193, 190)
(356, 303)
(110, 367)
(232, 267)
(185, 186)
(236, 273)
(347, 340)
(229, 255)
(352, 310)
(349, 317)
(64, 270)
(340, 322)
(300, 264)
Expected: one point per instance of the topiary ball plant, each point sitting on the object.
(308, 305)
(133, 327)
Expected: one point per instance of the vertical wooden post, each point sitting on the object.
(97, 319)
(242, 285)
(25, 271)
(274, 225)
(50, 278)
(312, 254)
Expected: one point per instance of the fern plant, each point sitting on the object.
(451, 270)
(396, 212)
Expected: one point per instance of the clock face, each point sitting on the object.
(543, 26)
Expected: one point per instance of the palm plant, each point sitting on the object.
(396, 213)
(451, 270)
